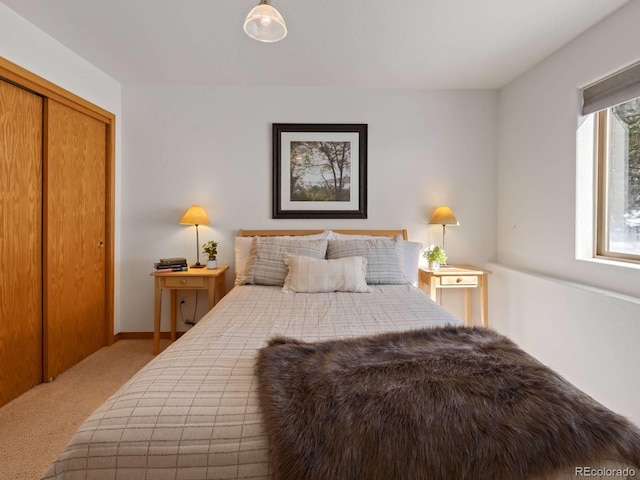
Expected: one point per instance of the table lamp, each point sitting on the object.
(443, 216)
(196, 215)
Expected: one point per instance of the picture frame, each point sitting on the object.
(319, 170)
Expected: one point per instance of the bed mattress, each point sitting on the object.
(192, 413)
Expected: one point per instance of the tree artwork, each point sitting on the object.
(320, 171)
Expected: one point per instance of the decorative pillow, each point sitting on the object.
(311, 275)
(385, 263)
(412, 252)
(243, 251)
(266, 264)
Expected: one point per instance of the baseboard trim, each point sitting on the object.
(142, 335)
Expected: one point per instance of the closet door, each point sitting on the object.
(74, 237)
(20, 241)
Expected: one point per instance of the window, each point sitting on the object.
(615, 104)
(618, 184)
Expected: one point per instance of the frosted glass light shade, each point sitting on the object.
(196, 215)
(265, 24)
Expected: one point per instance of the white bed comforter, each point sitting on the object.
(192, 412)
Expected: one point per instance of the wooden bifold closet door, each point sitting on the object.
(20, 241)
(74, 235)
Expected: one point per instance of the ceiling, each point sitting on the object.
(331, 43)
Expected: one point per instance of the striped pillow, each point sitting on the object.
(312, 275)
(385, 262)
(266, 264)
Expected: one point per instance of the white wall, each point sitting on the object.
(26, 45)
(31, 48)
(538, 120)
(201, 145)
(584, 336)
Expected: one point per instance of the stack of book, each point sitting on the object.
(177, 264)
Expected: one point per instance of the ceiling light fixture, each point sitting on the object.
(265, 24)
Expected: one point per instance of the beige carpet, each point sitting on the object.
(36, 426)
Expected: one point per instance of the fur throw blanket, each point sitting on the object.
(440, 403)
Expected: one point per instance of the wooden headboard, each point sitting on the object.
(293, 233)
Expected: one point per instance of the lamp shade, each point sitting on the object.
(265, 24)
(443, 216)
(196, 215)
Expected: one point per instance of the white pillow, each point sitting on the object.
(311, 275)
(412, 252)
(243, 251)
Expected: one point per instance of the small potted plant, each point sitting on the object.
(436, 257)
(210, 249)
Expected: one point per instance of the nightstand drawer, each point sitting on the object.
(466, 280)
(184, 282)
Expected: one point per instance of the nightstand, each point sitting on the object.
(459, 276)
(194, 279)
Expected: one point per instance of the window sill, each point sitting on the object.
(612, 262)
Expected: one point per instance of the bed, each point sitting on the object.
(197, 410)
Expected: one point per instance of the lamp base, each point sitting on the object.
(197, 265)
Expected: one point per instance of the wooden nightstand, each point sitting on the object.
(193, 279)
(459, 276)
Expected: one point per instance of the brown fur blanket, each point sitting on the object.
(440, 403)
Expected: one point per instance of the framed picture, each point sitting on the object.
(319, 170)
